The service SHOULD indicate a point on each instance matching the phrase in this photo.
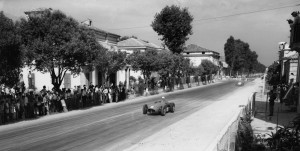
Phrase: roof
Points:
(192, 48)
(103, 31)
(132, 42)
(42, 9)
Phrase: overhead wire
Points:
(217, 17)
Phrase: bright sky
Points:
(261, 29)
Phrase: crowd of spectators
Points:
(31, 104)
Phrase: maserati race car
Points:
(159, 107)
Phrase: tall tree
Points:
(56, 44)
(174, 25)
(109, 62)
(239, 56)
(10, 53)
(229, 51)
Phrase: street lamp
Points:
(282, 45)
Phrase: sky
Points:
(260, 23)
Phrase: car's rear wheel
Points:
(145, 108)
(172, 108)
(163, 111)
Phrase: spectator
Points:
(105, 95)
(84, 96)
(272, 99)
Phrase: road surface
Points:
(109, 127)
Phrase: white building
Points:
(197, 54)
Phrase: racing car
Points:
(159, 107)
(240, 83)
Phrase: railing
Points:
(226, 141)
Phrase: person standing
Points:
(26, 106)
(84, 97)
(272, 99)
(105, 95)
(29, 80)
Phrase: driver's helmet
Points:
(163, 98)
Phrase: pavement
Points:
(195, 132)
(263, 124)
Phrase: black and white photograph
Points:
(149, 75)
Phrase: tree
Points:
(259, 68)
(209, 68)
(273, 75)
(11, 55)
(109, 62)
(147, 62)
(199, 70)
(240, 57)
(56, 44)
(174, 25)
(172, 66)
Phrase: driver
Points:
(163, 99)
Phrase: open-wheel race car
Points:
(159, 107)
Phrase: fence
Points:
(226, 141)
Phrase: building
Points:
(224, 68)
(290, 68)
(131, 45)
(107, 40)
(37, 12)
(197, 54)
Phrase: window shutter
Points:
(67, 81)
(33, 80)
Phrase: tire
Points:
(163, 111)
(145, 109)
(172, 108)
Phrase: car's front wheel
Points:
(172, 108)
(163, 111)
(145, 108)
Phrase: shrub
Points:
(245, 133)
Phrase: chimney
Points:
(90, 22)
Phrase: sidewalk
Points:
(199, 130)
(263, 124)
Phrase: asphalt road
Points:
(111, 127)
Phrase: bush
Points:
(141, 86)
(245, 133)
